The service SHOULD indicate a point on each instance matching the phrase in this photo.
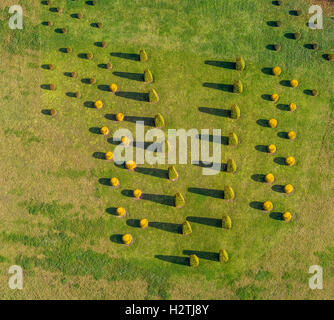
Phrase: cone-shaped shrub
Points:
(297, 35)
(74, 75)
(330, 57)
(63, 30)
(194, 261)
(235, 112)
(92, 81)
(53, 112)
(52, 87)
(238, 87)
(109, 66)
(294, 83)
(51, 67)
(78, 94)
(89, 56)
(148, 76)
(153, 96)
(290, 161)
(228, 193)
(269, 178)
(277, 71)
(121, 212)
(104, 44)
(159, 121)
(179, 200)
(314, 46)
(231, 166)
(137, 193)
(79, 15)
(240, 64)
(109, 155)
(233, 139)
(99, 25)
(186, 228)
(143, 56)
(277, 47)
(69, 50)
(50, 24)
(315, 92)
(172, 173)
(226, 222)
(223, 256)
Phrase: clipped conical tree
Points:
(233, 139)
(153, 96)
(179, 200)
(226, 222)
(223, 256)
(148, 76)
(159, 121)
(235, 112)
(231, 166)
(186, 228)
(143, 55)
(228, 193)
(240, 64)
(238, 86)
(172, 173)
(194, 261)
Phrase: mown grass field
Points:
(56, 216)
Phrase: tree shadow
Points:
(104, 87)
(53, 9)
(266, 97)
(262, 148)
(46, 112)
(258, 177)
(184, 261)
(71, 94)
(159, 198)
(63, 50)
(256, 205)
(263, 123)
(147, 120)
(212, 256)
(59, 30)
(309, 46)
(82, 56)
(130, 76)
(270, 47)
(45, 87)
(210, 138)
(89, 104)
(128, 56)
(219, 86)
(283, 107)
(283, 135)
(112, 211)
(276, 3)
(90, 3)
(154, 172)
(278, 188)
(218, 194)
(276, 216)
(105, 182)
(289, 35)
(95, 130)
(86, 81)
(280, 161)
(45, 66)
(293, 13)
(211, 222)
(166, 226)
(137, 96)
(273, 24)
(94, 25)
(221, 64)
(98, 44)
(267, 71)
(216, 112)
(99, 155)
(285, 83)
(117, 238)
(308, 92)
(202, 164)
(102, 66)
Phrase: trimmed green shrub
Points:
(315, 92)
(277, 47)
(59, 10)
(74, 75)
(314, 46)
(52, 87)
(109, 66)
(99, 25)
(278, 23)
(159, 121)
(143, 56)
(299, 12)
(148, 76)
(186, 228)
(226, 222)
(89, 56)
(330, 57)
(240, 64)
(233, 139)
(297, 35)
(104, 44)
(50, 24)
(51, 67)
(172, 173)
(194, 261)
(238, 87)
(179, 200)
(153, 96)
(231, 166)
(78, 94)
(228, 193)
(79, 15)
(69, 50)
(92, 81)
(223, 256)
(53, 112)
(235, 112)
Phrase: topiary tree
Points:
(69, 50)
(240, 64)
(109, 66)
(159, 121)
(186, 228)
(315, 92)
(226, 222)
(99, 25)
(277, 47)
(194, 261)
(330, 57)
(238, 87)
(104, 44)
(172, 173)
(89, 56)
(78, 94)
(143, 55)
(92, 81)
(153, 96)
(231, 166)
(179, 200)
(148, 76)
(223, 256)
(53, 112)
(235, 112)
(297, 35)
(233, 139)
(51, 67)
(74, 75)
(52, 87)
(228, 193)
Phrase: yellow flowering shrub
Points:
(277, 71)
(272, 148)
(137, 193)
(98, 104)
(131, 165)
(292, 135)
(109, 155)
(274, 97)
(114, 182)
(272, 123)
(287, 216)
(119, 116)
(292, 107)
(223, 256)
(125, 140)
(121, 212)
(143, 223)
(269, 178)
(113, 87)
(268, 206)
(290, 161)
(294, 83)
(127, 239)
(104, 130)
(288, 188)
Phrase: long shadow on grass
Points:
(154, 172)
(267, 71)
(263, 123)
(105, 182)
(256, 205)
(212, 165)
(211, 222)
(128, 56)
(218, 194)
(280, 161)
(104, 87)
(117, 238)
(221, 64)
(223, 139)
(266, 97)
(99, 155)
(184, 261)
(278, 188)
(112, 211)
(219, 86)
(276, 216)
(283, 135)
(262, 148)
(216, 112)
(133, 119)
(212, 256)
(130, 76)
(285, 83)
(157, 198)
(258, 177)
(164, 226)
(283, 107)
(137, 96)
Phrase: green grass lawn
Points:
(57, 217)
